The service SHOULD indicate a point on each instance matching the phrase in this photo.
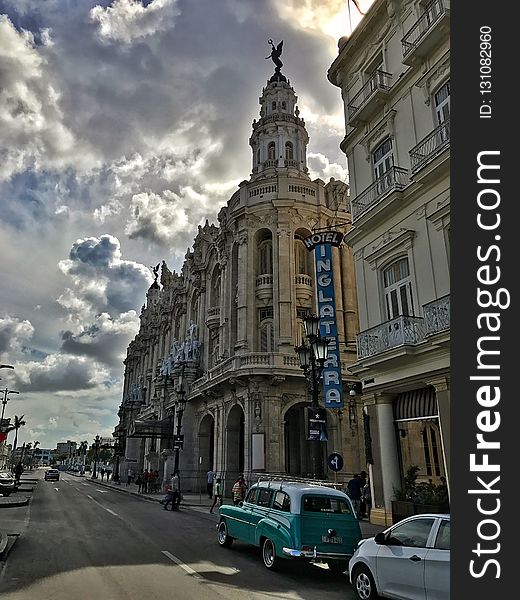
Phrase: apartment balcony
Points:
(437, 315)
(402, 331)
(289, 162)
(303, 285)
(431, 150)
(390, 184)
(213, 317)
(369, 98)
(264, 287)
(432, 27)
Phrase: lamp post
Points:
(180, 405)
(96, 448)
(4, 434)
(312, 355)
(5, 400)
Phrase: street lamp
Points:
(180, 406)
(96, 448)
(6, 367)
(312, 355)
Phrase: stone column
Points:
(241, 344)
(391, 476)
(285, 284)
(338, 293)
(350, 307)
(442, 391)
(169, 460)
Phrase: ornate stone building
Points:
(224, 329)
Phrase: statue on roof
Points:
(275, 54)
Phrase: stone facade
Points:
(393, 72)
(224, 328)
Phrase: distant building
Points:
(394, 76)
(5, 453)
(42, 456)
(65, 451)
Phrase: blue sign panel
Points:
(335, 461)
(332, 383)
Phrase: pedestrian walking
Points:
(18, 470)
(238, 491)
(156, 481)
(209, 485)
(144, 484)
(102, 471)
(139, 482)
(129, 476)
(362, 503)
(354, 493)
(217, 494)
(172, 493)
(367, 498)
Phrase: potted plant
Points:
(418, 498)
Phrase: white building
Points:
(394, 76)
(224, 329)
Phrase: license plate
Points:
(331, 540)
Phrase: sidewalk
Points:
(202, 503)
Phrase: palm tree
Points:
(18, 422)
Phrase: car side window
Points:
(282, 502)
(413, 534)
(442, 542)
(321, 504)
(264, 497)
(251, 496)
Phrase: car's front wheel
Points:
(364, 584)
(338, 566)
(271, 561)
(223, 536)
(6, 493)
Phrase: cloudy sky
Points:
(123, 125)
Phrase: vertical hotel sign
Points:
(322, 244)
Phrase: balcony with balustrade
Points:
(370, 98)
(390, 185)
(430, 29)
(437, 315)
(399, 332)
(431, 152)
(264, 287)
(213, 317)
(303, 284)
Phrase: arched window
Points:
(289, 151)
(398, 289)
(271, 151)
(273, 105)
(301, 258)
(265, 257)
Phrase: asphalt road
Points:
(80, 541)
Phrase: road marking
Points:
(85, 484)
(102, 491)
(90, 497)
(182, 565)
(57, 489)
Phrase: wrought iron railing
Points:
(402, 331)
(432, 13)
(432, 145)
(437, 315)
(395, 179)
(380, 80)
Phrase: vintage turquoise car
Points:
(293, 520)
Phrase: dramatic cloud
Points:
(103, 282)
(14, 335)
(320, 166)
(129, 20)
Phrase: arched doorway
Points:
(206, 457)
(235, 434)
(303, 458)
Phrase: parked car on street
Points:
(7, 483)
(293, 520)
(52, 475)
(410, 561)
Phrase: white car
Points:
(408, 561)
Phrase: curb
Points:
(3, 542)
(14, 504)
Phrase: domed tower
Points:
(279, 139)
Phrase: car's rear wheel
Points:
(338, 566)
(271, 561)
(364, 584)
(6, 493)
(223, 536)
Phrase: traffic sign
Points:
(335, 462)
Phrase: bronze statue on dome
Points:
(275, 54)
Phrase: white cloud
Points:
(128, 20)
(14, 335)
(320, 166)
(31, 121)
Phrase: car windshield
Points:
(325, 504)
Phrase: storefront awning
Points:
(151, 428)
(416, 404)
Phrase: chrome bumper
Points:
(313, 554)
